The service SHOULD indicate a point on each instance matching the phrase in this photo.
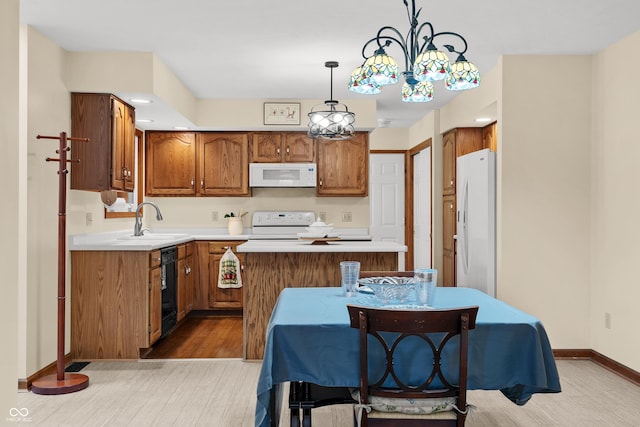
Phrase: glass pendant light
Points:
(463, 75)
(431, 65)
(419, 92)
(358, 83)
(335, 121)
(380, 68)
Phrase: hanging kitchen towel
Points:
(229, 275)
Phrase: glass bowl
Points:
(389, 289)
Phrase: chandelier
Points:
(335, 121)
(424, 62)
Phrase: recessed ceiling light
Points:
(483, 119)
(181, 128)
(141, 101)
(144, 121)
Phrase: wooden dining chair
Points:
(367, 274)
(440, 399)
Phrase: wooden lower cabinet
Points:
(223, 298)
(155, 304)
(116, 303)
(186, 279)
(270, 272)
(209, 295)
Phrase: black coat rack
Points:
(63, 382)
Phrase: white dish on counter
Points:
(316, 235)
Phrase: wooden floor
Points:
(200, 337)
(222, 393)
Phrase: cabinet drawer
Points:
(154, 259)
(221, 246)
(185, 250)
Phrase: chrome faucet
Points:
(137, 228)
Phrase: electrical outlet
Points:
(323, 216)
(214, 216)
(346, 216)
(89, 218)
(607, 320)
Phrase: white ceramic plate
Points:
(329, 235)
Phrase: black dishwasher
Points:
(168, 258)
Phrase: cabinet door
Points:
(468, 140)
(171, 163)
(298, 148)
(118, 169)
(223, 164)
(449, 163)
(155, 305)
(91, 118)
(490, 136)
(266, 147)
(223, 298)
(182, 286)
(185, 285)
(343, 166)
(448, 242)
(129, 148)
(189, 282)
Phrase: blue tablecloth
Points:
(309, 339)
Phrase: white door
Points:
(386, 198)
(422, 209)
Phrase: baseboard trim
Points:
(602, 360)
(51, 368)
(592, 355)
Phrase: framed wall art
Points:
(281, 113)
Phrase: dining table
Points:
(309, 339)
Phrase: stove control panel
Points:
(283, 218)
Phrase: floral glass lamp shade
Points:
(464, 75)
(381, 69)
(359, 83)
(431, 66)
(419, 92)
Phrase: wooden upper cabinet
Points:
(276, 147)
(490, 136)
(343, 166)
(468, 140)
(197, 164)
(449, 163)
(223, 164)
(266, 147)
(107, 161)
(170, 163)
(299, 148)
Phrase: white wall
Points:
(47, 114)
(615, 202)
(12, 162)
(543, 211)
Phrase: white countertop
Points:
(159, 238)
(306, 246)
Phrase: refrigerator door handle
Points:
(464, 231)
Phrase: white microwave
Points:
(282, 174)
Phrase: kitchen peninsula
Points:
(271, 266)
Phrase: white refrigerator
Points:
(476, 221)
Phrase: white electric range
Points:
(285, 225)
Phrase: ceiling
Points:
(277, 49)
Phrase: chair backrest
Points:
(365, 274)
(436, 328)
